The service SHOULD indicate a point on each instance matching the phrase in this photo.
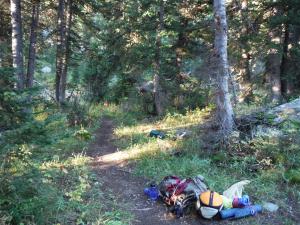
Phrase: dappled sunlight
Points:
(137, 151)
(134, 141)
(77, 160)
(130, 130)
(169, 122)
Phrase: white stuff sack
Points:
(236, 190)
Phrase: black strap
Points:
(211, 198)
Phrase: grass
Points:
(49, 179)
(264, 161)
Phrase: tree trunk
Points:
(63, 80)
(61, 46)
(245, 60)
(224, 107)
(179, 49)
(274, 57)
(17, 42)
(292, 64)
(273, 74)
(156, 80)
(32, 43)
(273, 64)
(5, 36)
(285, 82)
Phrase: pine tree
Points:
(32, 43)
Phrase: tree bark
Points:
(17, 42)
(224, 107)
(273, 74)
(61, 46)
(274, 58)
(156, 80)
(245, 61)
(63, 81)
(5, 36)
(32, 43)
(179, 48)
(285, 82)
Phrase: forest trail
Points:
(126, 188)
(114, 172)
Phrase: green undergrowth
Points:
(45, 173)
(271, 164)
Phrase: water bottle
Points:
(241, 202)
(152, 192)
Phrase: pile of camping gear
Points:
(184, 195)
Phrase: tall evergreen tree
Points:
(32, 42)
(156, 80)
(17, 42)
(66, 55)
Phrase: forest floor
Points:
(126, 188)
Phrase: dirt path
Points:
(128, 189)
(118, 179)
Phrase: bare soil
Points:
(127, 189)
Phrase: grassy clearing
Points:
(264, 161)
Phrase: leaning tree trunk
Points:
(61, 46)
(32, 43)
(224, 107)
(17, 42)
(156, 80)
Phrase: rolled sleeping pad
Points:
(240, 212)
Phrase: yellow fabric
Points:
(216, 202)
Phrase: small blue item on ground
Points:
(237, 213)
(157, 134)
(152, 192)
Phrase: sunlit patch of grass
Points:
(191, 117)
(138, 151)
(78, 160)
(169, 122)
(135, 143)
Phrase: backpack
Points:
(181, 195)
